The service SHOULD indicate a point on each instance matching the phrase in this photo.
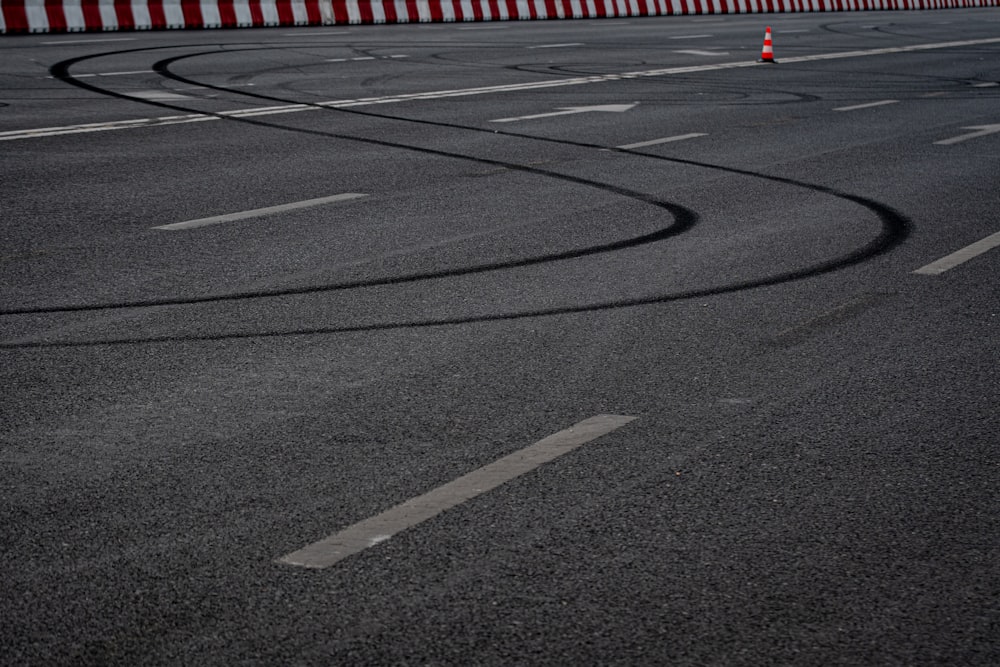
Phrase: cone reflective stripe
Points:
(767, 55)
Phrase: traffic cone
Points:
(767, 55)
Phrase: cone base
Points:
(767, 60)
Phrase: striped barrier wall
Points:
(24, 16)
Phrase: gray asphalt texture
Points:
(812, 475)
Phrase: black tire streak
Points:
(895, 229)
(684, 218)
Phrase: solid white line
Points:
(665, 140)
(11, 135)
(986, 84)
(867, 106)
(260, 212)
(383, 526)
(554, 46)
(91, 41)
(960, 256)
(689, 37)
(103, 127)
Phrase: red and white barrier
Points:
(21, 16)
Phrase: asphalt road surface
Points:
(579, 342)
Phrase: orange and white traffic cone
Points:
(767, 55)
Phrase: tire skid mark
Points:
(895, 228)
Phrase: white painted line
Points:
(698, 52)
(161, 95)
(12, 135)
(566, 111)
(346, 60)
(986, 84)
(981, 131)
(960, 256)
(138, 71)
(869, 105)
(689, 37)
(103, 127)
(381, 527)
(555, 46)
(260, 212)
(91, 41)
(87, 76)
(665, 140)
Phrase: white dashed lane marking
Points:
(867, 105)
(158, 95)
(664, 140)
(260, 212)
(358, 58)
(382, 527)
(87, 76)
(700, 52)
(980, 131)
(960, 256)
(555, 46)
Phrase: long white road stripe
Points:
(12, 135)
(960, 256)
(664, 140)
(260, 212)
(381, 527)
(868, 105)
